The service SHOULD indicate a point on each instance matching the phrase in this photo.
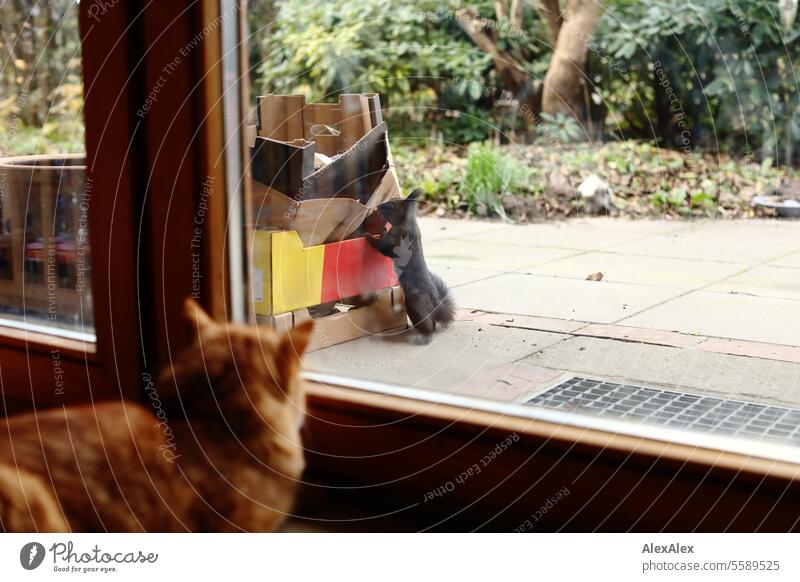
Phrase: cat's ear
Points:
(293, 346)
(196, 316)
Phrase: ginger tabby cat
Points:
(226, 457)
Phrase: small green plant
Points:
(703, 201)
(490, 175)
(674, 199)
(684, 202)
(560, 128)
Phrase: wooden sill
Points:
(44, 343)
(41, 370)
(392, 452)
(364, 402)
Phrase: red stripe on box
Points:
(352, 267)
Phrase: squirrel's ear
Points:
(416, 195)
(409, 205)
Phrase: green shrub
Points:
(433, 80)
(490, 174)
(727, 80)
(410, 51)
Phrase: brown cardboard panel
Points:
(280, 117)
(335, 127)
(282, 165)
(349, 119)
(375, 111)
(377, 317)
(389, 186)
(282, 322)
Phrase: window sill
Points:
(395, 451)
(70, 344)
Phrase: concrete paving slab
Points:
(759, 319)
(589, 301)
(752, 242)
(665, 272)
(493, 257)
(764, 281)
(641, 335)
(581, 234)
(455, 276)
(792, 261)
(455, 358)
(441, 228)
(695, 371)
(639, 324)
(781, 232)
(528, 322)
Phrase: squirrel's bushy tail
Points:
(445, 310)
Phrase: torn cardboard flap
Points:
(289, 167)
(319, 220)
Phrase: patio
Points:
(707, 306)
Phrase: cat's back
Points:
(105, 461)
(57, 432)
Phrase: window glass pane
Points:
(612, 212)
(44, 195)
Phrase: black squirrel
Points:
(428, 300)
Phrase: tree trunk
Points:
(517, 14)
(562, 83)
(500, 9)
(44, 57)
(507, 67)
(513, 76)
(25, 46)
(550, 12)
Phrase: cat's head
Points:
(245, 376)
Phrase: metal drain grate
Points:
(673, 409)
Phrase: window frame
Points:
(141, 270)
(145, 271)
(108, 366)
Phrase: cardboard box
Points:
(321, 202)
(288, 276)
(386, 313)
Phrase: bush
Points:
(432, 79)
(727, 78)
